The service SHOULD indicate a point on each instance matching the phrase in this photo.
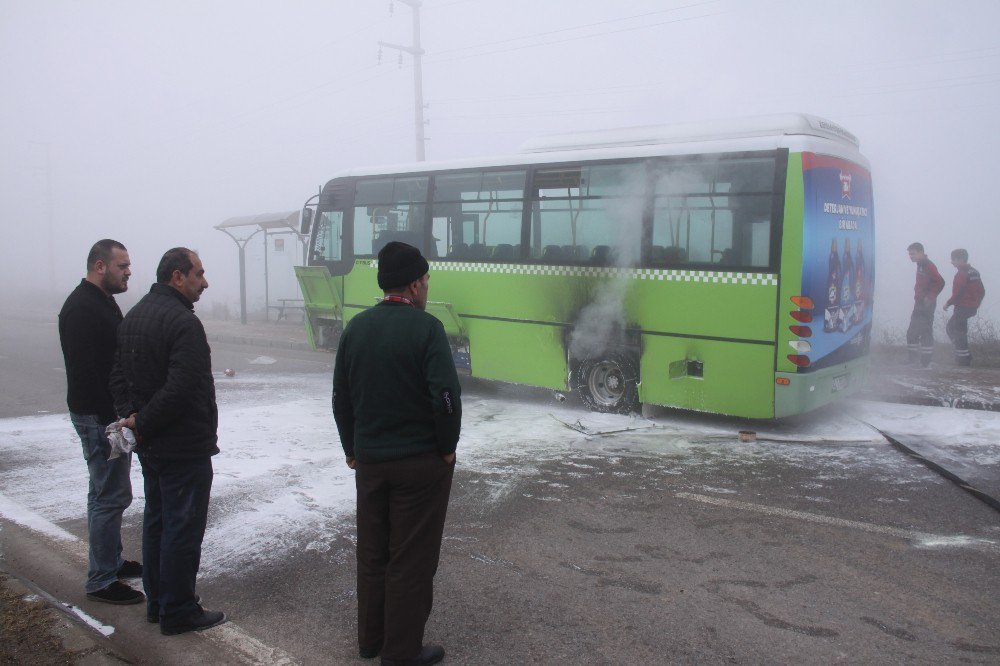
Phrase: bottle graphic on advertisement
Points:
(846, 288)
(831, 315)
(859, 285)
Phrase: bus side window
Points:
(484, 211)
(440, 237)
(387, 209)
(715, 210)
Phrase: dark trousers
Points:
(173, 526)
(401, 511)
(920, 334)
(958, 331)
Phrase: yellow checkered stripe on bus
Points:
(670, 275)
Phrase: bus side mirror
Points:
(307, 218)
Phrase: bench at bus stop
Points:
(288, 305)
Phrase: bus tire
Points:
(608, 383)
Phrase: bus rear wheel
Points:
(608, 383)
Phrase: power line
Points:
(573, 39)
(571, 28)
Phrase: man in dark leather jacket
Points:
(162, 382)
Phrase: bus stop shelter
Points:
(243, 229)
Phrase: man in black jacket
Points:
(162, 380)
(88, 332)
(396, 401)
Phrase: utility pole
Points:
(418, 86)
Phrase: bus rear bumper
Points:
(798, 393)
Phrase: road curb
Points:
(81, 644)
(266, 343)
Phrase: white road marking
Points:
(105, 629)
(923, 539)
(252, 651)
(248, 649)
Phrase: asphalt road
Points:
(787, 552)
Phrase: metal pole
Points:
(243, 282)
(267, 294)
(418, 86)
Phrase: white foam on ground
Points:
(281, 484)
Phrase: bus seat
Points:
(459, 251)
(478, 251)
(675, 254)
(727, 257)
(503, 252)
(601, 255)
(551, 253)
(408, 237)
(658, 254)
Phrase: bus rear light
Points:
(801, 331)
(802, 315)
(783, 381)
(799, 360)
(800, 346)
(803, 302)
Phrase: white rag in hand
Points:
(122, 439)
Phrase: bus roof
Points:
(757, 126)
(749, 134)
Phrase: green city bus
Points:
(724, 267)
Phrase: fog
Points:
(152, 122)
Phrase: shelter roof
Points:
(283, 220)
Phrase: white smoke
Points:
(602, 322)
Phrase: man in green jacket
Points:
(396, 401)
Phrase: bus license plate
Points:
(840, 382)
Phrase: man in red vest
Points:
(967, 293)
(920, 335)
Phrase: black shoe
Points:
(370, 653)
(118, 593)
(430, 654)
(155, 619)
(202, 619)
(130, 569)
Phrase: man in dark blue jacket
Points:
(88, 333)
(396, 401)
(162, 381)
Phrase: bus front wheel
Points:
(608, 383)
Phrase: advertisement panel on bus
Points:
(838, 267)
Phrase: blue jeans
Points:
(109, 494)
(173, 526)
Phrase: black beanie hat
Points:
(399, 264)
